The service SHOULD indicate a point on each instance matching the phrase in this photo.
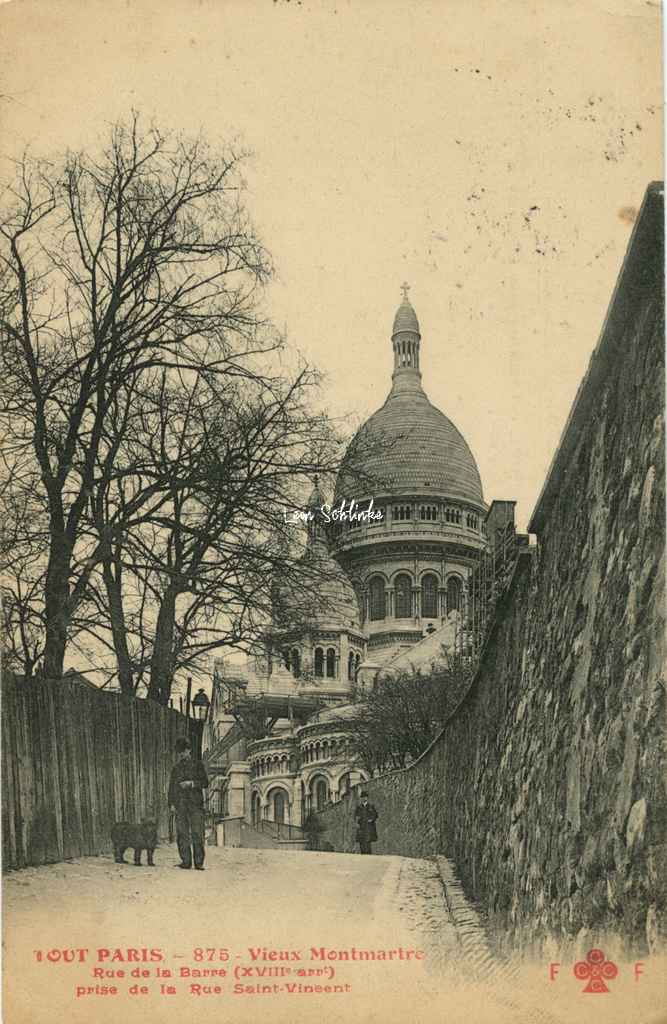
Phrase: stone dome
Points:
(335, 606)
(326, 598)
(408, 446)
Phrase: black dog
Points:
(139, 837)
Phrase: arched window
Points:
(376, 598)
(286, 659)
(256, 808)
(319, 662)
(429, 596)
(321, 793)
(279, 806)
(350, 666)
(403, 596)
(296, 662)
(453, 594)
(357, 663)
(331, 663)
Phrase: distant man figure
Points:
(186, 801)
(366, 816)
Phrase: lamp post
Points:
(196, 716)
(200, 705)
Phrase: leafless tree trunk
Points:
(112, 571)
(163, 645)
(112, 267)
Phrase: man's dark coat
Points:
(366, 817)
(189, 804)
(187, 770)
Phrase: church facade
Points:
(394, 591)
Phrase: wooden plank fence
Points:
(74, 761)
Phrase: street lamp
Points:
(200, 705)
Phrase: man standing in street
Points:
(186, 801)
(366, 816)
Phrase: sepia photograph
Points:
(332, 511)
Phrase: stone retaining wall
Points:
(547, 786)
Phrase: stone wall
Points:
(547, 785)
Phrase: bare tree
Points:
(22, 609)
(23, 538)
(147, 414)
(203, 476)
(402, 715)
(112, 268)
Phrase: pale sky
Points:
(489, 153)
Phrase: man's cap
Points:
(363, 794)
(182, 744)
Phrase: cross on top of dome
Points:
(406, 318)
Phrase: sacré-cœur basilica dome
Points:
(411, 569)
(408, 446)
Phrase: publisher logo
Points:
(596, 970)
